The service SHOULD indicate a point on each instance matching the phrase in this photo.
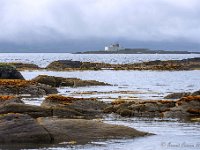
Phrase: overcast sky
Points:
(44, 21)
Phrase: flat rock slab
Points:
(83, 131)
(59, 81)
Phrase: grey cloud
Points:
(26, 21)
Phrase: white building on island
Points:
(114, 47)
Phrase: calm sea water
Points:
(43, 59)
(170, 134)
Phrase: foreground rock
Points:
(25, 87)
(83, 131)
(9, 72)
(19, 128)
(187, 107)
(17, 123)
(59, 81)
(185, 64)
(69, 107)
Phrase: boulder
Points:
(196, 93)
(70, 107)
(182, 94)
(64, 64)
(186, 107)
(83, 131)
(21, 128)
(9, 72)
(140, 108)
(25, 87)
(25, 66)
(59, 81)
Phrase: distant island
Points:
(117, 49)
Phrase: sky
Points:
(77, 25)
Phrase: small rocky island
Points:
(117, 49)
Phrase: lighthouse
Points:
(114, 47)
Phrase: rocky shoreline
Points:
(78, 120)
(185, 64)
(58, 119)
(71, 82)
(68, 65)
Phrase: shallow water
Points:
(139, 84)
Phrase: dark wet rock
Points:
(70, 107)
(59, 81)
(185, 64)
(196, 93)
(21, 128)
(83, 131)
(9, 72)
(33, 111)
(25, 87)
(25, 66)
(182, 94)
(186, 107)
(64, 64)
(140, 108)
(177, 95)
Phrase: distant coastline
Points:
(137, 51)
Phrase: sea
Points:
(170, 134)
